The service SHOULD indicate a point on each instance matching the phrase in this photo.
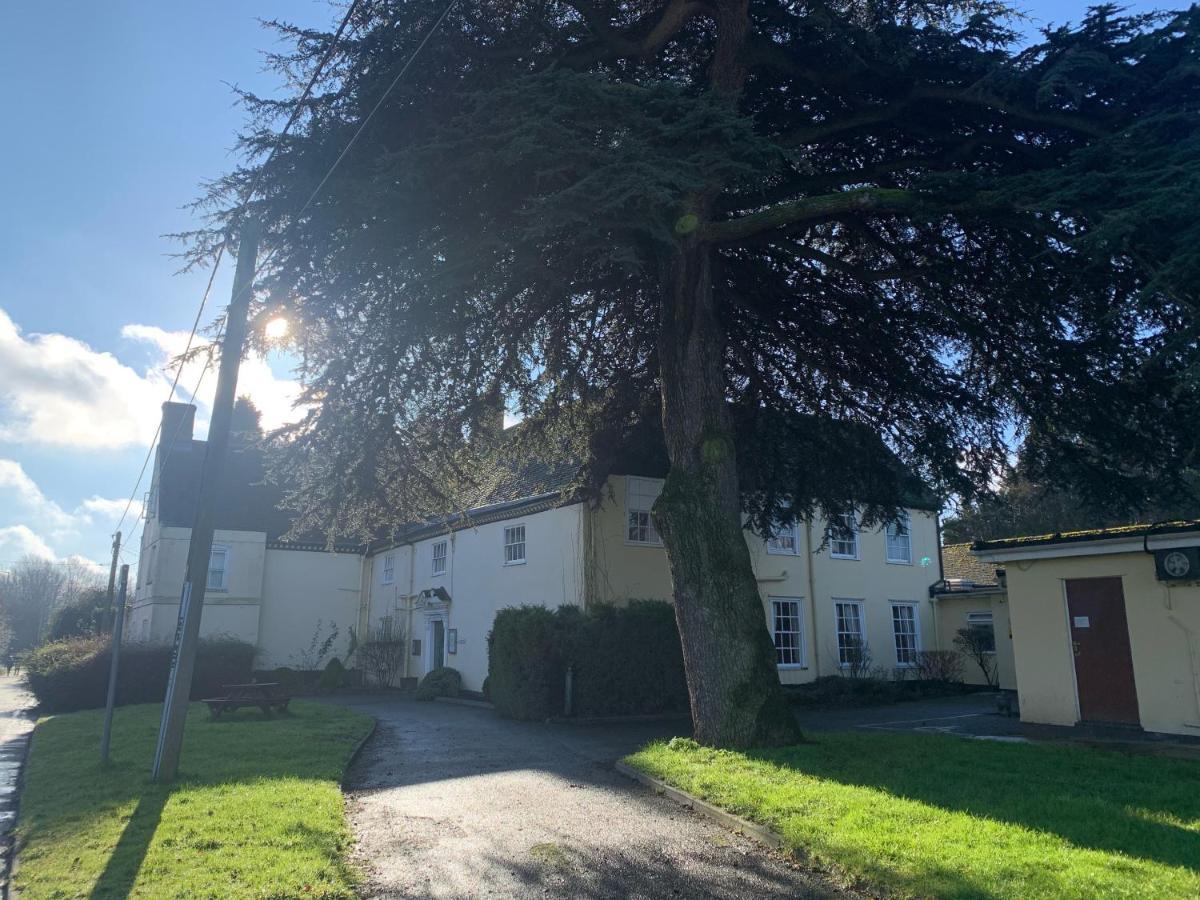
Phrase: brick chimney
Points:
(178, 421)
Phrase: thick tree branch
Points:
(946, 93)
(620, 43)
(808, 209)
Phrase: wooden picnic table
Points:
(266, 695)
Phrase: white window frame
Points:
(636, 491)
(800, 649)
(852, 520)
(861, 605)
(916, 633)
(905, 523)
(435, 558)
(511, 541)
(223, 587)
(776, 548)
(389, 569)
(977, 618)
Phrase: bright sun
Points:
(276, 328)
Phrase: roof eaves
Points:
(1091, 534)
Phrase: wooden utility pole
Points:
(112, 576)
(114, 662)
(191, 605)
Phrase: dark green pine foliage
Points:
(748, 220)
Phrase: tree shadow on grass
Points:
(1143, 807)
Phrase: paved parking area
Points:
(452, 801)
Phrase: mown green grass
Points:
(256, 810)
(939, 816)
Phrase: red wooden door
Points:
(1100, 640)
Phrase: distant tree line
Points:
(43, 599)
(1029, 501)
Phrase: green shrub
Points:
(838, 692)
(83, 617)
(284, 676)
(626, 660)
(441, 682)
(73, 674)
(525, 666)
(333, 676)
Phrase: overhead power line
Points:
(251, 190)
(254, 185)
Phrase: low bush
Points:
(838, 692)
(441, 682)
(333, 676)
(939, 665)
(626, 660)
(73, 674)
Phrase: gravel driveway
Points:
(452, 801)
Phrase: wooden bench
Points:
(266, 695)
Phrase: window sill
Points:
(387, 582)
(899, 562)
(515, 562)
(771, 552)
(436, 574)
(842, 556)
(791, 666)
(648, 544)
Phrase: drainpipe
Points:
(812, 594)
(365, 592)
(412, 562)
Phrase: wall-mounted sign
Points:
(1083, 622)
(452, 640)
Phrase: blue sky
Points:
(115, 112)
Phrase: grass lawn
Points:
(256, 810)
(940, 816)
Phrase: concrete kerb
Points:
(357, 751)
(760, 833)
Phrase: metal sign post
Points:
(114, 663)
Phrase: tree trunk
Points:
(729, 658)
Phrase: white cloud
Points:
(273, 396)
(108, 508)
(56, 390)
(31, 519)
(19, 540)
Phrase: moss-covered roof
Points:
(1090, 534)
(959, 563)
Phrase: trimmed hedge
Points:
(525, 667)
(626, 659)
(73, 674)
